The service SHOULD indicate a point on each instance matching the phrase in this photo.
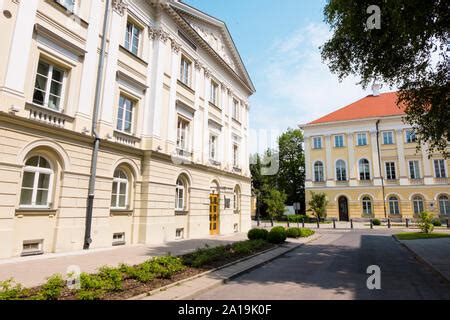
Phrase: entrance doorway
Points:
(343, 209)
(214, 214)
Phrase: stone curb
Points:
(226, 279)
(422, 260)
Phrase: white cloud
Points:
(297, 87)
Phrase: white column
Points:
(17, 68)
(403, 175)
(87, 87)
(427, 173)
(176, 60)
(205, 150)
(375, 162)
(109, 90)
(329, 162)
(198, 138)
(229, 147)
(352, 173)
(308, 174)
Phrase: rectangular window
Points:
(183, 135)
(388, 137)
(125, 115)
(339, 141)
(361, 139)
(32, 247)
(68, 4)
(179, 234)
(48, 88)
(132, 38)
(317, 142)
(236, 163)
(390, 171)
(439, 168)
(414, 170)
(185, 71)
(118, 239)
(410, 136)
(235, 109)
(214, 94)
(213, 147)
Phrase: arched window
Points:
(367, 205)
(119, 198)
(418, 204)
(364, 169)
(36, 183)
(181, 195)
(318, 172)
(341, 171)
(394, 207)
(444, 205)
(237, 199)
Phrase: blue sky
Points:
(279, 42)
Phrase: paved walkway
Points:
(435, 252)
(32, 271)
(189, 289)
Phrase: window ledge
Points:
(181, 83)
(181, 212)
(133, 56)
(121, 212)
(214, 162)
(32, 253)
(212, 104)
(237, 121)
(21, 212)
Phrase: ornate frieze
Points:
(119, 6)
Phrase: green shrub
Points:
(166, 267)
(277, 235)
(257, 234)
(305, 232)
(93, 286)
(425, 222)
(376, 222)
(10, 290)
(293, 232)
(298, 218)
(52, 289)
(437, 223)
(205, 256)
(246, 247)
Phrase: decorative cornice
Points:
(119, 6)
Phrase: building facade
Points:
(367, 162)
(173, 124)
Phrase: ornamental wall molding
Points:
(119, 6)
(176, 47)
(158, 33)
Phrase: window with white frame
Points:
(183, 134)
(213, 141)
(341, 171)
(118, 239)
(125, 115)
(68, 4)
(236, 160)
(317, 142)
(180, 195)
(119, 196)
(444, 205)
(361, 139)
(32, 247)
(410, 136)
(214, 94)
(36, 183)
(132, 38)
(185, 71)
(367, 205)
(49, 86)
(414, 169)
(235, 109)
(319, 171)
(418, 204)
(394, 207)
(364, 169)
(439, 168)
(339, 141)
(390, 171)
(388, 137)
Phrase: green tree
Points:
(425, 222)
(275, 201)
(399, 54)
(291, 173)
(318, 205)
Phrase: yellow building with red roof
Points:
(364, 157)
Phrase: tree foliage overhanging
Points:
(399, 54)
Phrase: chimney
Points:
(376, 89)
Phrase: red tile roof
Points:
(369, 107)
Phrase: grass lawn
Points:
(421, 235)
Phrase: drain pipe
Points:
(380, 167)
(96, 146)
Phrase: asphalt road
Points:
(335, 267)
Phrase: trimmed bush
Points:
(298, 218)
(293, 232)
(257, 234)
(277, 235)
(376, 222)
(305, 232)
(52, 289)
(437, 223)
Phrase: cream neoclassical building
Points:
(173, 124)
(364, 179)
